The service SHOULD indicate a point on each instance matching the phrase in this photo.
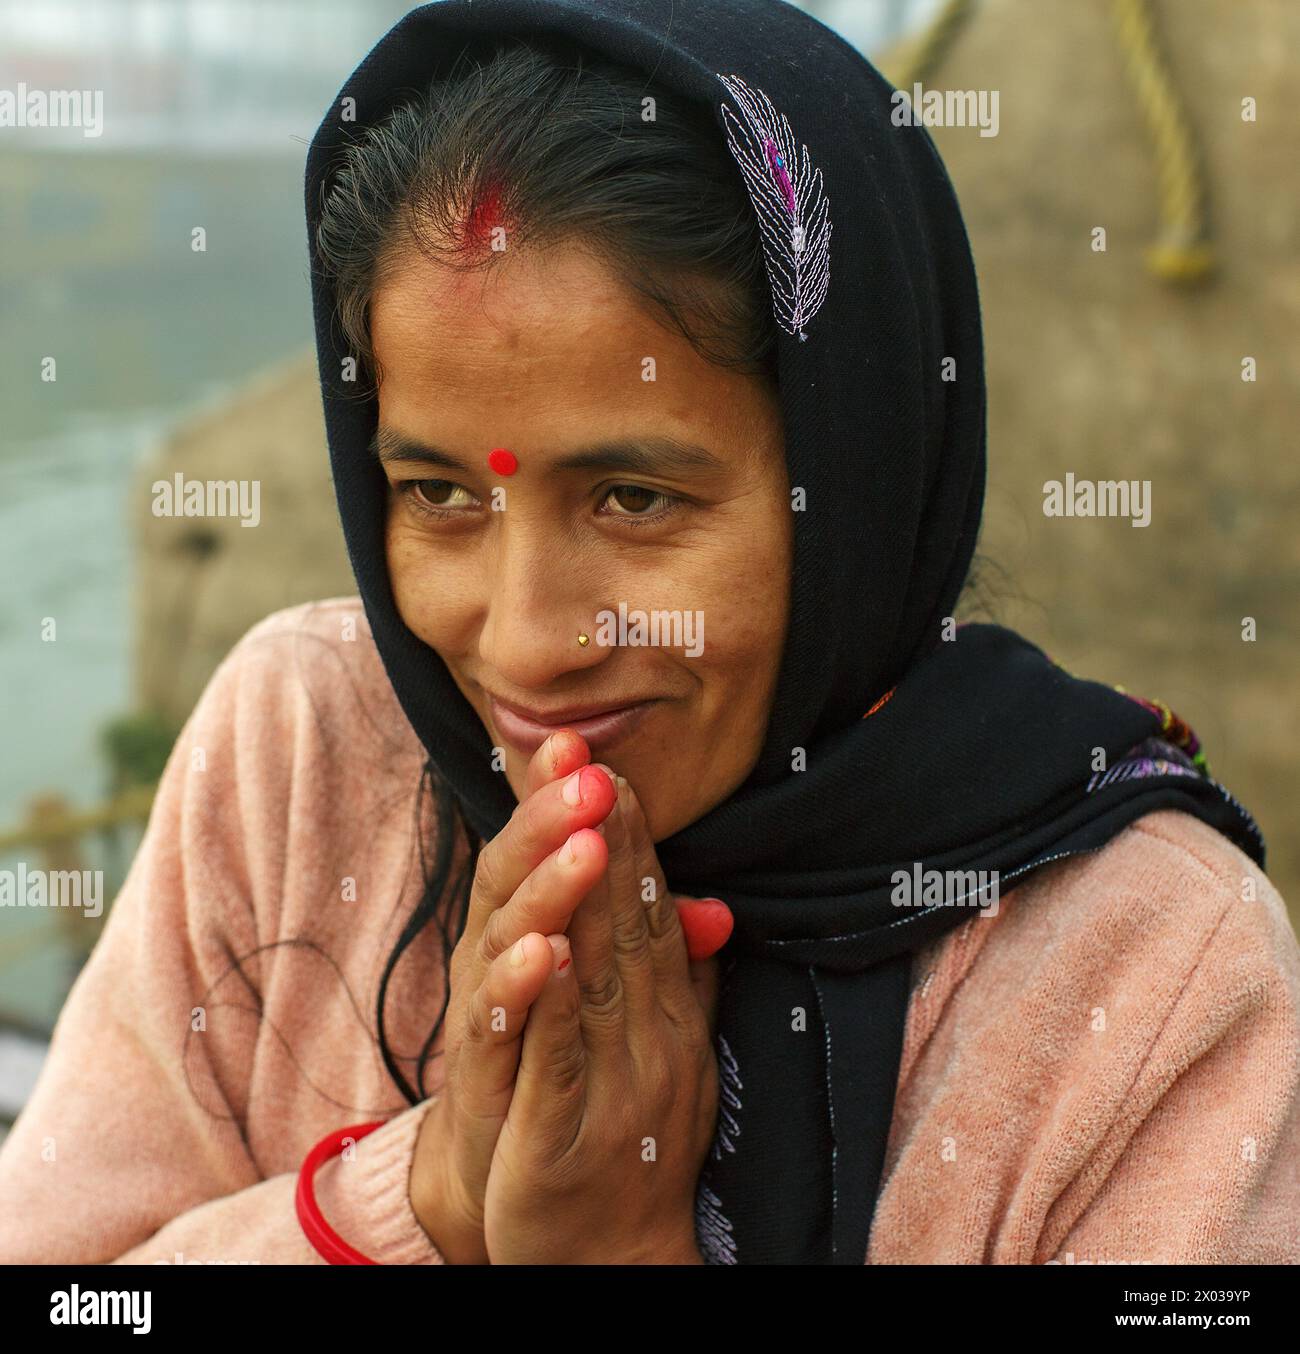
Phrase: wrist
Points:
(679, 1249)
(434, 1197)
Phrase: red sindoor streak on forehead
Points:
(484, 214)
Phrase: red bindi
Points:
(502, 461)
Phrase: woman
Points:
(651, 363)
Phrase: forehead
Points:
(540, 340)
(529, 310)
(550, 350)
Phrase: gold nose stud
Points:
(584, 640)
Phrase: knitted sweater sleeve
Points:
(135, 1146)
(1107, 1071)
(1202, 1163)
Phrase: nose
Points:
(540, 599)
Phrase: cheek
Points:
(740, 582)
(735, 577)
(745, 589)
(433, 589)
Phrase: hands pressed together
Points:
(581, 1088)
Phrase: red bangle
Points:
(321, 1235)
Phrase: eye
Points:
(437, 497)
(635, 501)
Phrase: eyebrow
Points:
(650, 454)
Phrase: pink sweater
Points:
(1108, 1070)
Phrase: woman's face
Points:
(650, 483)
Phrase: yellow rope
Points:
(1182, 253)
(934, 44)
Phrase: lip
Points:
(600, 728)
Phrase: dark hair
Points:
(552, 141)
(552, 144)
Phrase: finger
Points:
(550, 1089)
(665, 940)
(629, 931)
(563, 753)
(706, 974)
(538, 826)
(488, 1058)
(708, 923)
(595, 968)
(547, 899)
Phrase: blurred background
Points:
(1171, 126)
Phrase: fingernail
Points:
(517, 957)
(707, 924)
(560, 949)
(569, 855)
(572, 791)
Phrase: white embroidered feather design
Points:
(787, 193)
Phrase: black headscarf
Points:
(984, 757)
